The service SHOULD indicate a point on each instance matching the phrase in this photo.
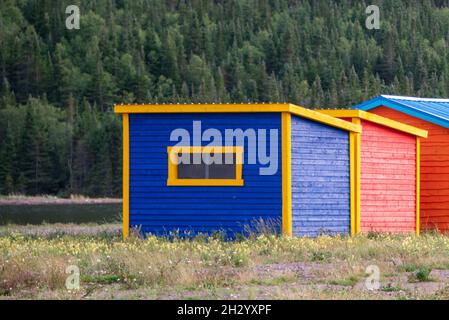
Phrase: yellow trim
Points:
(418, 186)
(239, 108)
(376, 119)
(125, 209)
(352, 169)
(173, 166)
(342, 113)
(357, 160)
(318, 116)
(200, 108)
(286, 175)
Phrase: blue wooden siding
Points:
(158, 209)
(320, 179)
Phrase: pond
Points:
(60, 213)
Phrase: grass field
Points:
(34, 261)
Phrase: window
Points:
(205, 166)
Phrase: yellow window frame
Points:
(173, 166)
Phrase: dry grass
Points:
(48, 231)
(17, 199)
(33, 265)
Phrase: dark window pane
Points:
(213, 171)
(191, 171)
(224, 170)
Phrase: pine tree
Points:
(27, 155)
(7, 97)
(7, 156)
(33, 157)
(317, 94)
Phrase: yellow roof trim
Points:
(329, 120)
(352, 113)
(238, 108)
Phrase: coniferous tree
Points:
(7, 157)
(308, 52)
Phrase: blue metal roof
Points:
(432, 110)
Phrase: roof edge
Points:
(402, 107)
(201, 108)
(238, 108)
(414, 98)
(352, 113)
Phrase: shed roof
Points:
(239, 108)
(432, 110)
(353, 113)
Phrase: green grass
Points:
(391, 288)
(422, 274)
(106, 279)
(348, 282)
(321, 256)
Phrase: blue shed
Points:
(236, 168)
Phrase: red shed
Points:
(433, 115)
(387, 161)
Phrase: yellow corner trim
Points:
(173, 167)
(238, 108)
(418, 186)
(286, 175)
(349, 113)
(352, 161)
(125, 210)
(357, 173)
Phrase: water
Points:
(60, 213)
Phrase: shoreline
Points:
(52, 200)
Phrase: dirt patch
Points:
(440, 275)
(302, 270)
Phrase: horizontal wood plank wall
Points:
(159, 209)
(320, 179)
(434, 170)
(387, 179)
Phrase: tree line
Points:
(57, 86)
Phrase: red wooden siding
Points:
(387, 179)
(434, 169)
